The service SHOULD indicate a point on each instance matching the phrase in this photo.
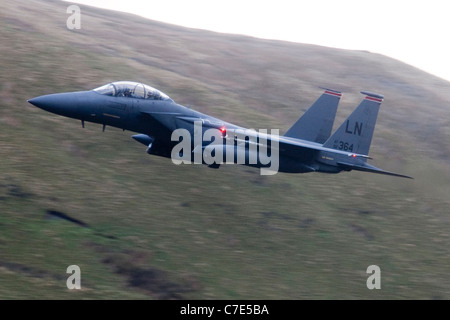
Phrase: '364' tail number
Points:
(341, 145)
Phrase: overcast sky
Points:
(413, 31)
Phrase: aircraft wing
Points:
(167, 119)
(296, 147)
(175, 120)
(287, 146)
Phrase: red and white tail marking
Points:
(379, 100)
(337, 94)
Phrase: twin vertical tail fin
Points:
(317, 122)
(355, 134)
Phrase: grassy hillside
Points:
(153, 230)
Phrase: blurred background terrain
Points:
(140, 227)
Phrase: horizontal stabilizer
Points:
(369, 168)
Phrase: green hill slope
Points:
(153, 230)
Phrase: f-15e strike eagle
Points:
(173, 131)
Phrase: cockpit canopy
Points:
(132, 90)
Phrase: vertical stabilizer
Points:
(355, 134)
(317, 122)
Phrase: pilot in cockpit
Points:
(150, 95)
(127, 92)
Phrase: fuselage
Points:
(163, 126)
(155, 119)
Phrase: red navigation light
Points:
(223, 130)
(354, 155)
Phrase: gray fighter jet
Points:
(186, 136)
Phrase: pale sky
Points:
(415, 32)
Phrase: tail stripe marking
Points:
(337, 94)
(374, 99)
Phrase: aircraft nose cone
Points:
(65, 104)
(52, 102)
(39, 102)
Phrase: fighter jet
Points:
(174, 131)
